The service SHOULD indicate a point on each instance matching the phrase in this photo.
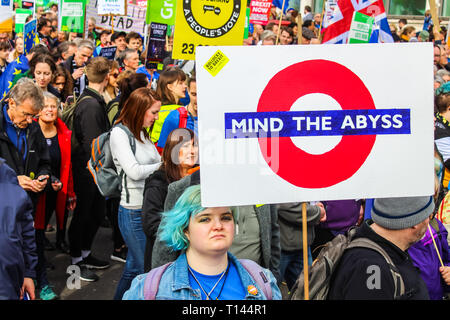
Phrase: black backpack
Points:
(68, 116)
(320, 273)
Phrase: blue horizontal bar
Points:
(317, 123)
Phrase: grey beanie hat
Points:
(401, 213)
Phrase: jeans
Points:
(130, 224)
(291, 265)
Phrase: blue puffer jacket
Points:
(18, 256)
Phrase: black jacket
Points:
(90, 121)
(155, 193)
(68, 64)
(354, 279)
(37, 161)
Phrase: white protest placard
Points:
(112, 7)
(316, 123)
(133, 21)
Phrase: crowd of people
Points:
(63, 94)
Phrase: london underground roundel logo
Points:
(296, 166)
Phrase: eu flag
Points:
(30, 36)
(15, 68)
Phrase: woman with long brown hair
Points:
(135, 158)
(180, 154)
(171, 88)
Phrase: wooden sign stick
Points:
(434, 15)
(435, 246)
(305, 250)
(279, 24)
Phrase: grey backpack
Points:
(102, 168)
(323, 267)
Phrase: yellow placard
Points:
(216, 63)
(207, 23)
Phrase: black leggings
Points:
(88, 214)
(41, 272)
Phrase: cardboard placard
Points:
(108, 52)
(112, 7)
(260, 11)
(294, 137)
(360, 28)
(203, 24)
(156, 43)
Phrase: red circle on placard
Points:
(291, 163)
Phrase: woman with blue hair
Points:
(205, 270)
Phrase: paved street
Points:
(103, 289)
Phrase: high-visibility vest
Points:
(162, 115)
(446, 178)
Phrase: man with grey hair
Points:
(268, 37)
(129, 59)
(67, 49)
(22, 143)
(76, 65)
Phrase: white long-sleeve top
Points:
(137, 167)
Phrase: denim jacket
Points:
(174, 283)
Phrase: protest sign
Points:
(161, 11)
(29, 35)
(21, 16)
(294, 137)
(112, 7)
(29, 4)
(199, 24)
(260, 11)
(72, 17)
(108, 52)
(6, 15)
(360, 28)
(156, 43)
(133, 21)
(247, 23)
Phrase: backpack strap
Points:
(152, 280)
(399, 285)
(132, 142)
(258, 275)
(183, 117)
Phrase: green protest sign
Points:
(21, 15)
(361, 28)
(72, 15)
(247, 18)
(161, 11)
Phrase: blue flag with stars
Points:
(30, 35)
(16, 67)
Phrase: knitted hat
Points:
(424, 35)
(401, 213)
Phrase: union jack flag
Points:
(338, 18)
